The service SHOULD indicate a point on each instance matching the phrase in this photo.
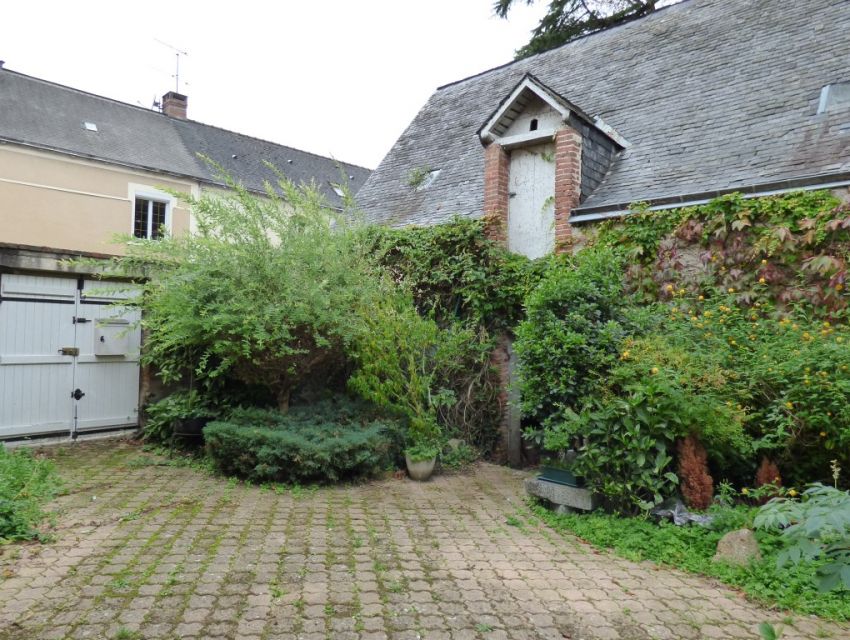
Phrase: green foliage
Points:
(268, 291)
(567, 20)
(784, 373)
(459, 456)
(456, 273)
(816, 526)
(572, 332)
(179, 405)
(420, 451)
(692, 548)
(323, 442)
(26, 483)
(781, 249)
(403, 361)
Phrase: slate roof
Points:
(712, 96)
(51, 116)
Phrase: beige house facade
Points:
(78, 172)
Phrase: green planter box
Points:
(560, 476)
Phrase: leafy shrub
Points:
(818, 525)
(401, 363)
(267, 291)
(26, 483)
(572, 333)
(784, 373)
(324, 442)
(179, 405)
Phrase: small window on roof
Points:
(428, 180)
(90, 126)
(834, 97)
(338, 191)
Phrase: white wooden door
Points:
(107, 369)
(531, 209)
(50, 346)
(36, 380)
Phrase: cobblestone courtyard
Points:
(146, 550)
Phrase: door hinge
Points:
(70, 351)
(80, 320)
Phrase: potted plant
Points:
(420, 458)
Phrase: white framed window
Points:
(151, 212)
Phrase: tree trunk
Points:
(283, 400)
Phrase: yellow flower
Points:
(745, 491)
(731, 290)
(826, 323)
(823, 434)
(669, 287)
(839, 287)
(681, 292)
(654, 370)
(789, 405)
(625, 355)
(807, 369)
(762, 280)
(701, 298)
(792, 492)
(764, 261)
(795, 326)
(839, 339)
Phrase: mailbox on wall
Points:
(111, 337)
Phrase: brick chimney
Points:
(175, 105)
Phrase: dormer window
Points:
(533, 125)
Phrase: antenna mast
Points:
(177, 54)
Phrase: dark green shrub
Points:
(26, 483)
(328, 441)
(162, 415)
(572, 333)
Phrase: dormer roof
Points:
(528, 91)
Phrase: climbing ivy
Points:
(791, 249)
(458, 274)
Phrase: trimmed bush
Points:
(328, 441)
(26, 483)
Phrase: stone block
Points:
(561, 495)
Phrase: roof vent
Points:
(834, 97)
(90, 126)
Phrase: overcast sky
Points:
(335, 77)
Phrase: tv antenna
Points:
(177, 54)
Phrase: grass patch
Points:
(27, 482)
(692, 548)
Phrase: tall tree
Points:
(570, 19)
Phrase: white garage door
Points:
(69, 361)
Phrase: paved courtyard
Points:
(147, 550)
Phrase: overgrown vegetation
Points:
(472, 288)
(27, 482)
(728, 329)
(692, 549)
(267, 292)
